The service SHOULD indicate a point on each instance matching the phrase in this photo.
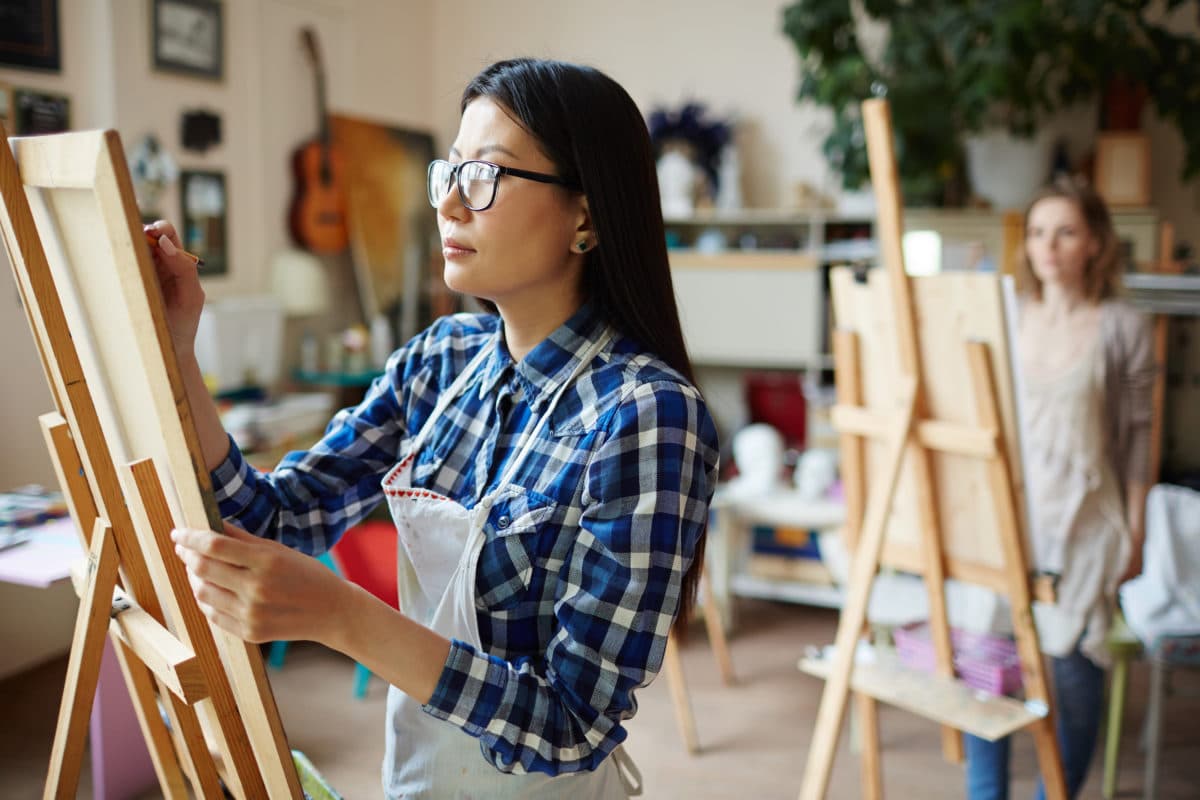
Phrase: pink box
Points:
(983, 661)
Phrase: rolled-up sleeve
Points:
(312, 496)
(646, 493)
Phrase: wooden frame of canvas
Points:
(129, 459)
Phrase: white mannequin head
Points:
(758, 454)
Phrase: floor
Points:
(754, 735)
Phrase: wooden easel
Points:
(129, 462)
(673, 666)
(938, 453)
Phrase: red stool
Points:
(366, 556)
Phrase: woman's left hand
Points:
(259, 589)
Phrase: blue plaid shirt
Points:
(579, 578)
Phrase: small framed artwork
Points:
(6, 109)
(187, 37)
(205, 209)
(35, 113)
(1122, 172)
(29, 34)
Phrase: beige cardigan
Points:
(1129, 376)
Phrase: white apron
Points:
(440, 543)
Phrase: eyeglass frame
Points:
(456, 171)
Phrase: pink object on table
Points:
(121, 765)
(983, 661)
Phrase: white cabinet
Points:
(751, 285)
(751, 309)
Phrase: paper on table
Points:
(46, 558)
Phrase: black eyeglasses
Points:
(477, 181)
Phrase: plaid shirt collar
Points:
(547, 365)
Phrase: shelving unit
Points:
(759, 306)
(771, 231)
(730, 547)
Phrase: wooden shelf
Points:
(767, 216)
(944, 700)
(743, 259)
(809, 594)
(337, 379)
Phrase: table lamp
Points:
(298, 279)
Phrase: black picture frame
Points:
(204, 205)
(29, 34)
(187, 37)
(34, 113)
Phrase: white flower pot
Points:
(1007, 170)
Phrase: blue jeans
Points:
(1078, 698)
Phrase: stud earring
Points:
(583, 246)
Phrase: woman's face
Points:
(1059, 243)
(517, 253)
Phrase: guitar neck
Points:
(309, 37)
(322, 111)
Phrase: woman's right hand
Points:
(180, 282)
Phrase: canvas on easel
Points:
(127, 454)
(928, 425)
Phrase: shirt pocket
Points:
(506, 561)
(425, 468)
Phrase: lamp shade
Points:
(299, 281)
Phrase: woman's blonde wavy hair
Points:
(1102, 272)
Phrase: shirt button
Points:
(504, 521)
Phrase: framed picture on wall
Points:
(204, 204)
(29, 34)
(1122, 171)
(35, 113)
(187, 37)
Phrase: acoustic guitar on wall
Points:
(318, 213)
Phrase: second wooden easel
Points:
(930, 462)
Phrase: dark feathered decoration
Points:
(706, 138)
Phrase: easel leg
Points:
(866, 713)
(140, 681)
(1020, 595)
(83, 667)
(716, 632)
(854, 612)
(677, 683)
(191, 751)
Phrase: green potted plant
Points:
(952, 68)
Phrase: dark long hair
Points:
(589, 126)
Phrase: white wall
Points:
(377, 55)
(730, 56)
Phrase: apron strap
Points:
(450, 395)
(627, 771)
